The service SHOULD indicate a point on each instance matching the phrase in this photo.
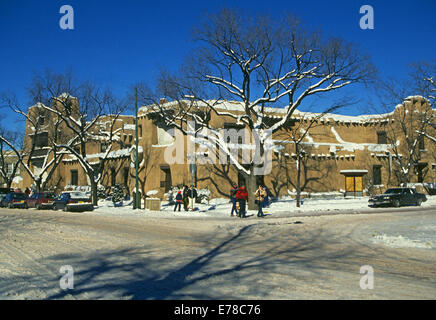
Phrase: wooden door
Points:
(358, 184)
(349, 184)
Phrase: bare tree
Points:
(423, 75)
(11, 154)
(259, 63)
(40, 155)
(414, 118)
(296, 132)
(88, 113)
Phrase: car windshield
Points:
(79, 195)
(19, 196)
(394, 191)
(49, 196)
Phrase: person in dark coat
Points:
(192, 194)
(233, 192)
(185, 197)
(179, 200)
(242, 197)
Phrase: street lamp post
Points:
(137, 197)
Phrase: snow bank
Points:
(400, 242)
(152, 192)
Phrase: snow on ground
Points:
(219, 207)
(400, 242)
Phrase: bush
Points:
(117, 193)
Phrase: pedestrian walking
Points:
(185, 197)
(260, 195)
(242, 198)
(233, 192)
(179, 200)
(192, 194)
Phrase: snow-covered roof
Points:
(354, 171)
(277, 112)
(122, 153)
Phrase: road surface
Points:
(304, 257)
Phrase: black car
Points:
(3, 193)
(14, 200)
(73, 201)
(398, 197)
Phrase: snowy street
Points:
(159, 255)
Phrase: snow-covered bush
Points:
(117, 193)
(171, 194)
(203, 196)
(77, 188)
(101, 192)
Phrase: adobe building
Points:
(9, 161)
(353, 155)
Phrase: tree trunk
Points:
(298, 181)
(94, 196)
(251, 190)
(38, 185)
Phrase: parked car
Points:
(73, 201)
(15, 200)
(398, 197)
(41, 200)
(4, 192)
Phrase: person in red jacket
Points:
(242, 197)
(179, 200)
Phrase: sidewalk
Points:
(220, 208)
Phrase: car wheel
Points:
(10, 205)
(418, 202)
(396, 203)
(26, 206)
(55, 207)
(38, 207)
(65, 209)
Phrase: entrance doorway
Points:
(354, 182)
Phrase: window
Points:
(41, 117)
(103, 147)
(241, 179)
(260, 181)
(126, 176)
(166, 182)
(381, 137)
(74, 177)
(421, 144)
(10, 168)
(421, 171)
(139, 130)
(41, 140)
(113, 177)
(376, 175)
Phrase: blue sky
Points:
(117, 43)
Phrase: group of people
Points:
(240, 196)
(187, 197)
